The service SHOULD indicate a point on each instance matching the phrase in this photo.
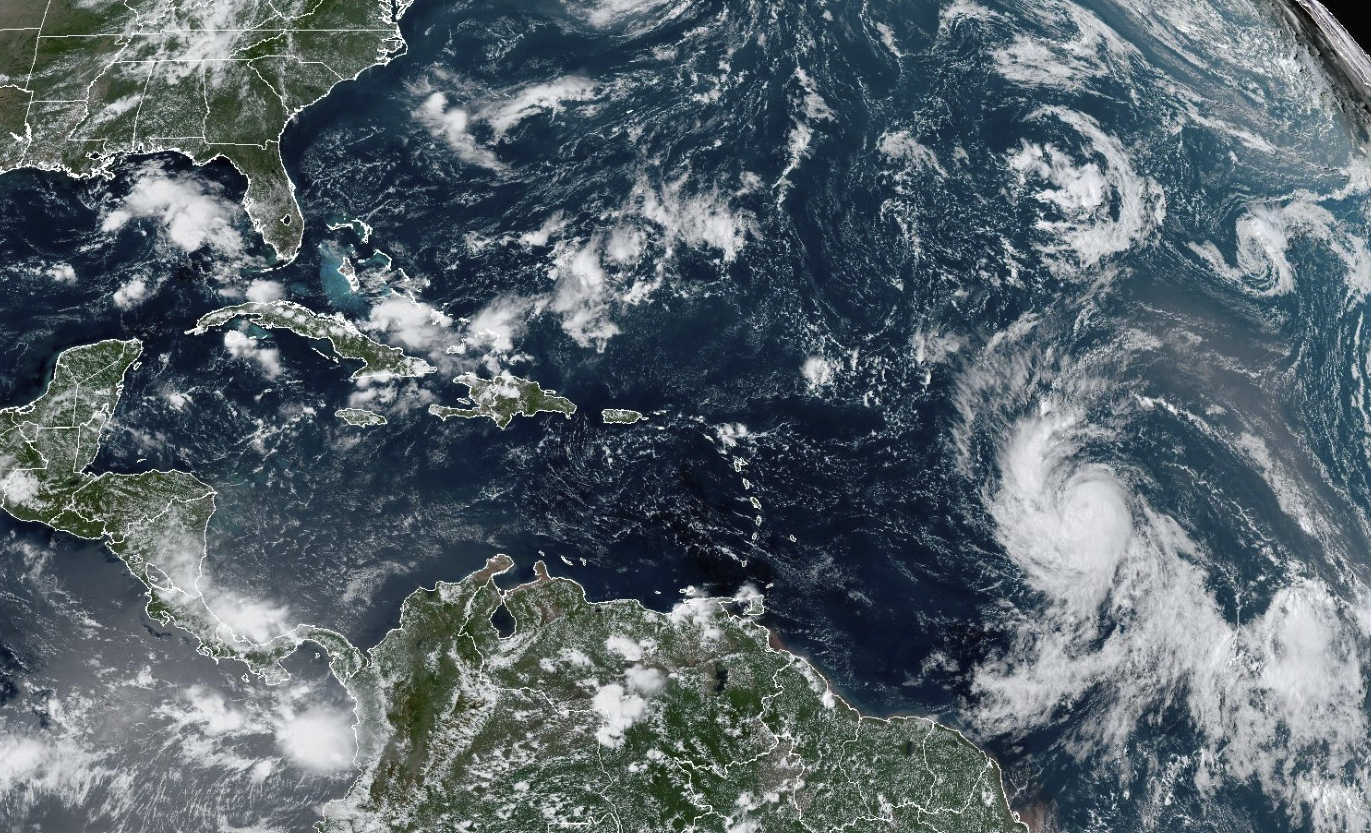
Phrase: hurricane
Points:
(1016, 353)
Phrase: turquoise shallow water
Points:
(1034, 330)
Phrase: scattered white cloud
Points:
(62, 273)
(697, 609)
(176, 399)
(256, 619)
(818, 372)
(243, 346)
(19, 487)
(497, 325)
(606, 13)
(540, 236)
(490, 335)
(225, 826)
(901, 146)
(582, 295)
(132, 293)
(261, 771)
(934, 347)
(538, 98)
(208, 710)
(265, 291)
(585, 293)
(1103, 206)
(1082, 49)
(452, 125)
(22, 759)
(575, 657)
(729, 434)
(192, 214)
(1289, 490)
(618, 711)
(696, 219)
(370, 391)
(627, 648)
(812, 110)
(645, 681)
(116, 108)
(413, 325)
(33, 766)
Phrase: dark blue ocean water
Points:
(1033, 330)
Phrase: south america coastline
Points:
(704, 668)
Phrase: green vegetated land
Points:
(377, 359)
(613, 717)
(153, 521)
(598, 717)
(359, 417)
(502, 398)
(83, 81)
(619, 416)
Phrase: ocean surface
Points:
(1014, 350)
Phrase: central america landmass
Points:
(587, 715)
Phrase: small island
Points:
(530, 708)
(359, 416)
(619, 416)
(502, 398)
(378, 360)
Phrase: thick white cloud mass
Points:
(412, 324)
(131, 294)
(319, 739)
(265, 291)
(192, 215)
(1128, 620)
(243, 346)
(452, 124)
